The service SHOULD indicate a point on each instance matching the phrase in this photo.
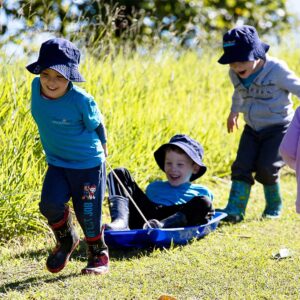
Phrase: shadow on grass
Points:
(35, 281)
(80, 253)
(115, 254)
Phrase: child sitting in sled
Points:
(176, 202)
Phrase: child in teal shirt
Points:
(73, 138)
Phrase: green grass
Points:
(145, 100)
(234, 262)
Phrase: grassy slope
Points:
(235, 262)
(145, 102)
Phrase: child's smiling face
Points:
(53, 84)
(179, 167)
(245, 68)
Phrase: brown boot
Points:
(98, 257)
(66, 242)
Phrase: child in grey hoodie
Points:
(262, 87)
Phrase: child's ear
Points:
(196, 168)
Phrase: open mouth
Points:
(51, 89)
(241, 73)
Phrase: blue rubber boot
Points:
(237, 203)
(273, 201)
(119, 212)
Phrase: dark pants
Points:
(258, 153)
(86, 187)
(197, 211)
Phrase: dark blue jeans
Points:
(258, 153)
(86, 187)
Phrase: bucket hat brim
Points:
(235, 55)
(70, 73)
(60, 55)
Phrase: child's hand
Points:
(232, 121)
(153, 223)
(104, 146)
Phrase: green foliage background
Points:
(100, 22)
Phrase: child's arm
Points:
(92, 117)
(289, 145)
(101, 131)
(287, 80)
(236, 107)
(104, 146)
(232, 121)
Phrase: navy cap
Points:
(242, 44)
(60, 55)
(191, 147)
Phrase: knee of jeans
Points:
(118, 171)
(203, 201)
(51, 211)
(242, 175)
(266, 176)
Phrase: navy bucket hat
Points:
(60, 55)
(242, 44)
(191, 147)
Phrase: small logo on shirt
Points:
(61, 122)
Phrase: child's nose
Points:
(51, 80)
(173, 167)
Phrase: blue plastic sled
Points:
(144, 238)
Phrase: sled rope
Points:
(131, 199)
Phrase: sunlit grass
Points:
(144, 99)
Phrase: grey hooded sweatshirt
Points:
(267, 102)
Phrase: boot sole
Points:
(233, 219)
(94, 272)
(270, 217)
(56, 270)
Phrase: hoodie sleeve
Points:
(287, 80)
(237, 100)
